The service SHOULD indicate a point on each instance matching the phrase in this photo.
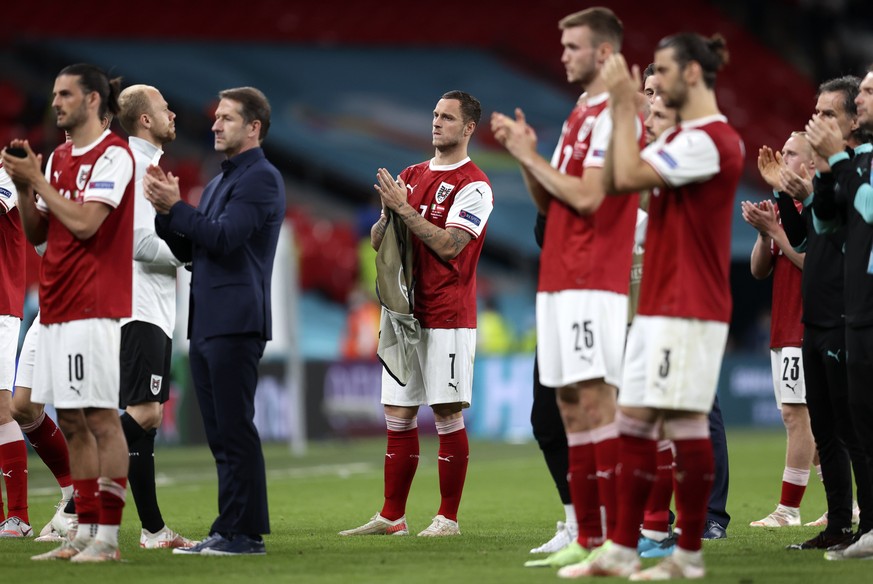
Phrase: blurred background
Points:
(352, 86)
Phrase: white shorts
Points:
(580, 336)
(78, 364)
(672, 363)
(27, 358)
(9, 329)
(788, 385)
(441, 374)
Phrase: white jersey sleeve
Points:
(40, 204)
(599, 140)
(110, 177)
(690, 157)
(471, 208)
(8, 192)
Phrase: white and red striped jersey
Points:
(688, 243)
(91, 278)
(587, 252)
(458, 196)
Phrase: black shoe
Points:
(238, 545)
(200, 548)
(824, 541)
(851, 538)
(713, 530)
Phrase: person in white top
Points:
(146, 337)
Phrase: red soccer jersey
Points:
(12, 251)
(688, 243)
(91, 278)
(786, 318)
(587, 252)
(456, 196)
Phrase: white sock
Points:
(85, 533)
(108, 534)
(570, 514)
(654, 535)
(67, 493)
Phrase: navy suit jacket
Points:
(230, 240)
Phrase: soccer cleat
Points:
(14, 527)
(681, 565)
(66, 551)
(782, 517)
(48, 534)
(607, 560)
(165, 538)
(571, 554)
(824, 541)
(564, 534)
(63, 522)
(440, 527)
(98, 551)
(662, 549)
(823, 520)
(378, 525)
(860, 550)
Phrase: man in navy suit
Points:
(229, 240)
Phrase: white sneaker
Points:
(782, 517)
(823, 520)
(97, 551)
(378, 525)
(564, 534)
(681, 565)
(441, 527)
(14, 527)
(165, 538)
(607, 560)
(860, 550)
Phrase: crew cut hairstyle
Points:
(253, 106)
(93, 78)
(710, 53)
(471, 109)
(604, 24)
(132, 103)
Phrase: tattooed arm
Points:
(446, 243)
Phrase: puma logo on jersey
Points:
(793, 388)
(453, 386)
(57, 175)
(589, 360)
(411, 189)
(836, 355)
(77, 390)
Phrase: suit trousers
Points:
(225, 374)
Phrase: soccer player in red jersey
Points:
(773, 254)
(85, 214)
(445, 203)
(582, 293)
(677, 340)
(13, 452)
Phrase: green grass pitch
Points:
(509, 506)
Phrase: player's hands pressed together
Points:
(515, 135)
(798, 186)
(24, 172)
(161, 189)
(391, 190)
(769, 165)
(761, 216)
(825, 137)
